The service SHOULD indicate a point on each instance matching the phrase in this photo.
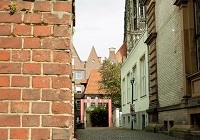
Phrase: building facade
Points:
(173, 46)
(134, 71)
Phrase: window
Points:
(143, 76)
(128, 88)
(134, 84)
(78, 75)
(78, 89)
(141, 10)
(124, 91)
(72, 61)
(197, 23)
(78, 105)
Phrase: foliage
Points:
(12, 8)
(99, 116)
(111, 82)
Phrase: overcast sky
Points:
(99, 23)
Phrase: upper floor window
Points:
(72, 61)
(123, 91)
(134, 78)
(78, 75)
(197, 23)
(143, 75)
(128, 88)
(141, 10)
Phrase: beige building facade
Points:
(173, 46)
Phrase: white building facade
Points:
(134, 89)
(134, 71)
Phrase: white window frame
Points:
(73, 62)
(135, 83)
(129, 88)
(78, 76)
(143, 75)
(124, 91)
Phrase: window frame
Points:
(77, 76)
(143, 76)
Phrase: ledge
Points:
(180, 2)
(150, 38)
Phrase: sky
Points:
(99, 23)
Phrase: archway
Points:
(97, 101)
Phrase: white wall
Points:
(134, 59)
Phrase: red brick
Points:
(33, 18)
(56, 95)
(42, 134)
(56, 69)
(42, 31)
(23, 5)
(12, 68)
(54, 43)
(50, 18)
(20, 81)
(4, 55)
(61, 82)
(3, 108)
(3, 134)
(30, 94)
(21, 55)
(61, 108)
(32, 43)
(31, 68)
(41, 82)
(63, 6)
(40, 108)
(30, 121)
(61, 31)
(20, 30)
(19, 107)
(10, 94)
(13, 43)
(42, 6)
(9, 120)
(41, 55)
(4, 5)
(56, 121)
(7, 18)
(4, 81)
(61, 57)
(19, 133)
(5, 30)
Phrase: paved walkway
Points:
(118, 134)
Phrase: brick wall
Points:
(178, 116)
(169, 53)
(35, 69)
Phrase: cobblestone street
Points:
(119, 134)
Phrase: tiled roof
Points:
(121, 53)
(92, 85)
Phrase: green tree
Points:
(111, 81)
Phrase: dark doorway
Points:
(143, 122)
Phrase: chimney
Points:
(99, 59)
(112, 56)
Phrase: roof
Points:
(121, 53)
(93, 85)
